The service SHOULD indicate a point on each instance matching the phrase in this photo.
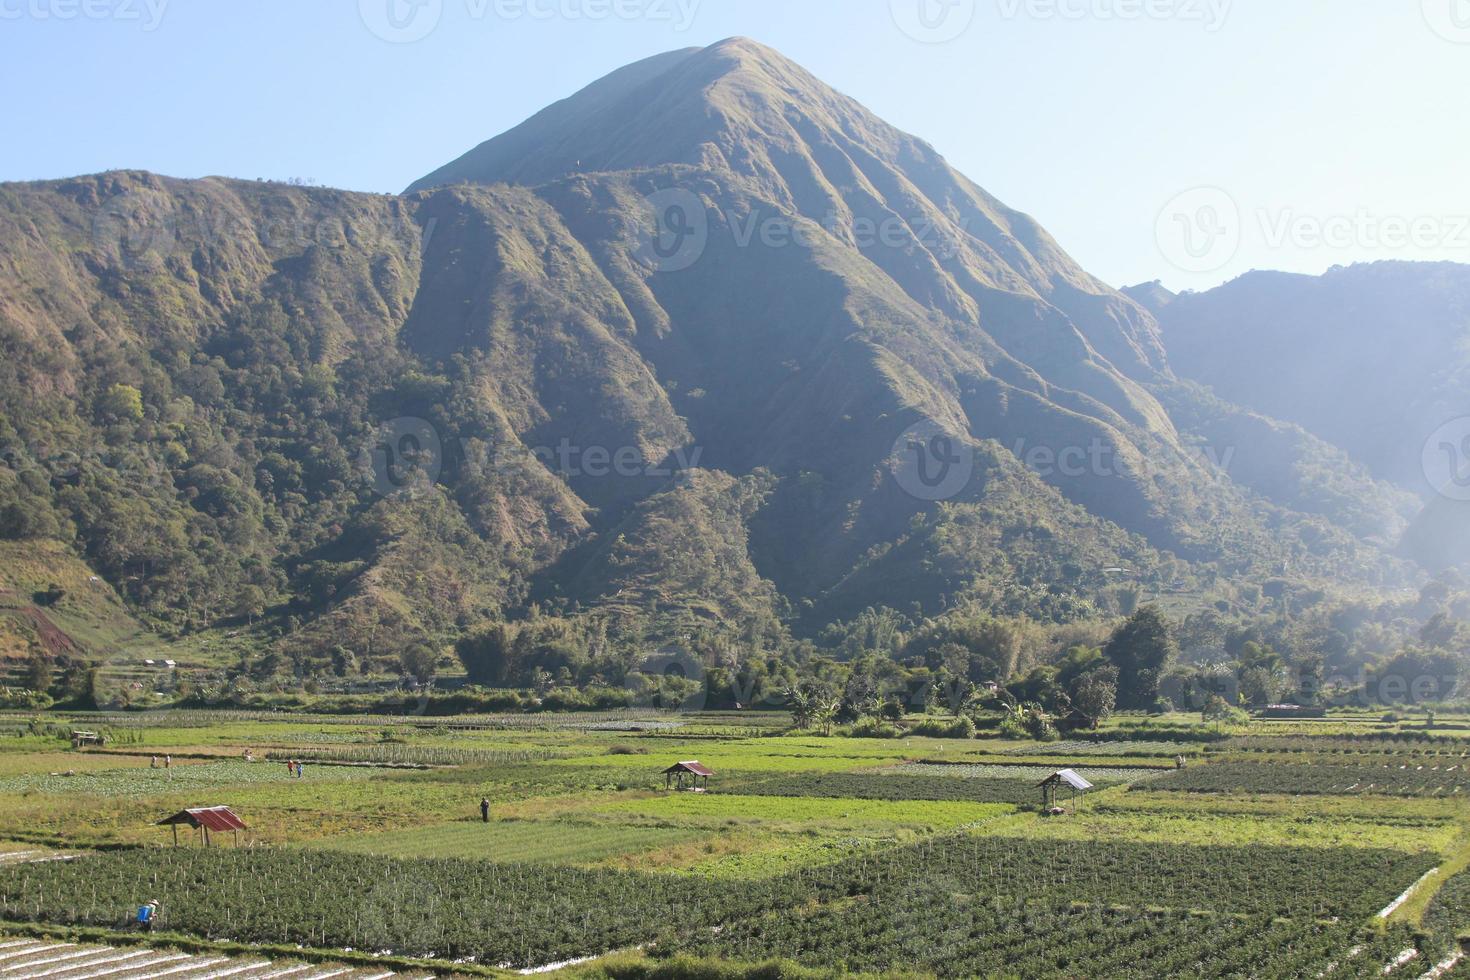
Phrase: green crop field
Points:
(511, 841)
(902, 855)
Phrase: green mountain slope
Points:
(378, 420)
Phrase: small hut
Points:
(80, 739)
(205, 819)
(1061, 778)
(694, 771)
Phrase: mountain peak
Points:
(689, 106)
(748, 118)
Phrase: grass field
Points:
(906, 854)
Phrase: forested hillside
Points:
(352, 428)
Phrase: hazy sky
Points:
(1301, 134)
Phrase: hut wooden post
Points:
(176, 834)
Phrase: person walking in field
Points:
(484, 810)
(153, 763)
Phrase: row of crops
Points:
(1253, 879)
(1113, 747)
(525, 914)
(955, 933)
(873, 786)
(1448, 914)
(518, 914)
(1379, 779)
(1097, 775)
(401, 754)
(518, 721)
(1370, 744)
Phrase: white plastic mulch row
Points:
(43, 959)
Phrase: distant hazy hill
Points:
(388, 418)
(1372, 358)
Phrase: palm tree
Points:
(826, 713)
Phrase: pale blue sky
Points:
(1349, 120)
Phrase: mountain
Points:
(705, 349)
(1372, 358)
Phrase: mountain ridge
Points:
(390, 419)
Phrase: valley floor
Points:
(1333, 848)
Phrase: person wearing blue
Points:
(147, 915)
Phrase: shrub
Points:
(873, 728)
(961, 727)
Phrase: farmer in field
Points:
(148, 915)
(484, 810)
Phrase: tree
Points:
(1142, 649)
(487, 654)
(250, 603)
(419, 661)
(1221, 712)
(1259, 686)
(344, 661)
(123, 402)
(38, 673)
(1095, 694)
(1030, 719)
(811, 706)
(1442, 633)
(826, 714)
(802, 703)
(1311, 671)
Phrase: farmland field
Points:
(1267, 855)
(513, 841)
